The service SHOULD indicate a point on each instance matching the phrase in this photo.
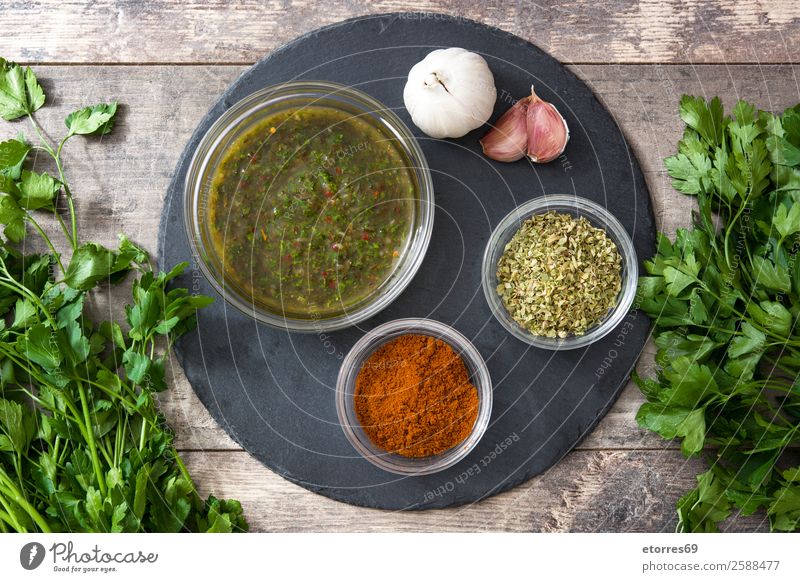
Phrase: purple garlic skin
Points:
(548, 133)
(507, 141)
(531, 127)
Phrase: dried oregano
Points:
(559, 275)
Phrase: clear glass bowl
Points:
(238, 120)
(345, 396)
(577, 207)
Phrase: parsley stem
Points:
(47, 241)
(45, 142)
(11, 284)
(62, 224)
(141, 437)
(33, 374)
(104, 451)
(8, 515)
(67, 192)
(111, 394)
(56, 446)
(90, 439)
(56, 155)
(185, 472)
(17, 497)
(731, 224)
(741, 315)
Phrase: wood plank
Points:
(628, 31)
(588, 491)
(120, 183)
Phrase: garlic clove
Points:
(547, 130)
(507, 141)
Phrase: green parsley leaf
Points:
(787, 222)
(25, 313)
(771, 315)
(702, 508)
(691, 174)
(136, 365)
(705, 118)
(90, 264)
(12, 154)
(690, 383)
(93, 120)
(40, 346)
(15, 426)
(8, 186)
(772, 276)
(785, 147)
(20, 92)
(673, 344)
(78, 343)
(752, 340)
(38, 190)
(677, 280)
(13, 217)
(14, 171)
(784, 511)
(675, 421)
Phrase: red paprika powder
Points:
(413, 397)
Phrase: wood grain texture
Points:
(122, 181)
(588, 491)
(223, 31)
(621, 478)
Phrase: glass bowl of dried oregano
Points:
(559, 272)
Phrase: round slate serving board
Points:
(273, 391)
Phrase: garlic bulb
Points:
(531, 127)
(450, 92)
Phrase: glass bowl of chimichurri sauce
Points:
(309, 205)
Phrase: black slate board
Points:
(273, 392)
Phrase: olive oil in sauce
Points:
(310, 210)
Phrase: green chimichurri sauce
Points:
(310, 209)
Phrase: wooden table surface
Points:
(167, 61)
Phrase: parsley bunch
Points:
(725, 299)
(82, 444)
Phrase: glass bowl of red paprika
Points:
(445, 344)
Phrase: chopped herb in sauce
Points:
(310, 210)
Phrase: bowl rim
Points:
(257, 101)
(345, 389)
(600, 217)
